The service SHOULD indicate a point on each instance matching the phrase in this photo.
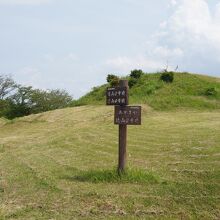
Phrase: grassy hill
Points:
(2, 121)
(60, 164)
(187, 91)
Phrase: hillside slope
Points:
(187, 91)
(3, 121)
(46, 162)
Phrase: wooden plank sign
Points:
(117, 96)
(127, 115)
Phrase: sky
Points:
(75, 44)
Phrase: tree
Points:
(49, 100)
(136, 74)
(113, 80)
(111, 77)
(167, 77)
(4, 107)
(17, 100)
(27, 101)
(59, 98)
(7, 85)
(19, 103)
(22, 95)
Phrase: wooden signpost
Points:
(124, 115)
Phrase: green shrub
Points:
(110, 77)
(211, 92)
(132, 82)
(136, 74)
(114, 82)
(167, 77)
(4, 107)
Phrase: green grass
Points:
(112, 176)
(187, 91)
(61, 165)
(95, 97)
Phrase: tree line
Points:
(17, 100)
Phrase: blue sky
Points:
(74, 44)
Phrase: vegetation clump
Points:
(211, 92)
(113, 80)
(135, 75)
(132, 82)
(167, 77)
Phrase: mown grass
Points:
(112, 176)
(60, 165)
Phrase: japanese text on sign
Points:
(128, 115)
(117, 96)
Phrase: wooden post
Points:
(122, 139)
(124, 115)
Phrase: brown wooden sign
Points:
(127, 115)
(124, 115)
(117, 96)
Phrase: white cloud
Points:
(190, 38)
(163, 24)
(124, 64)
(72, 57)
(24, 2)
(192, 19)
(217, 13)
(196, 31)
(48, 58)
(173, 2)
(167, 53)
(69, 57)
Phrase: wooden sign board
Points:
(127, 115)
(117, 96)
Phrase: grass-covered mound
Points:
(186, 91)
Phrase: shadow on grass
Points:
(111, 176)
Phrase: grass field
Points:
(59, 165)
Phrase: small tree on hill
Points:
(112, 79)
(211, 92)
(136, 74)
(167, 77)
